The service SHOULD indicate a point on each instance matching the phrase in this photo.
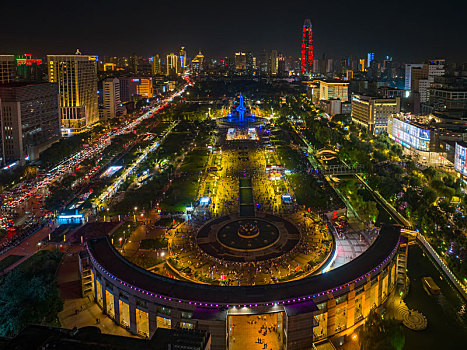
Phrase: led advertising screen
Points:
(460, 165)
(410, 135)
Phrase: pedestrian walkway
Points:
(412, 319)
(398, 309)
(78, 311)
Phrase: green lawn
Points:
(307, 191)
(182, 192)
(291, 159)
(153, 243)
(172, 144)
(194, 161)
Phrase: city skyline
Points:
(218, 29)
(211, 175)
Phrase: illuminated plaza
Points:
(233, 176)
(249, 264)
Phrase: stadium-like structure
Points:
(300, 312)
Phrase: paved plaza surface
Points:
(348, 247)
(234, 160)
(255, 332)
(78, 311)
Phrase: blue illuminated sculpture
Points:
(241, 109)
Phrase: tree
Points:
(29, 294)
(381, 333)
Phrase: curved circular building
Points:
(289, 315)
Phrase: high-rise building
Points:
(240, 61)
(329, 65)
(263, 63)
(333, 89)
(133, 63)
(307, 47)
(197, 63)
(29, 119)
(30, 69)
(128, 89)
(408, 75)
(272, 67)
(7, 69)
(387, 68)
(250, 63)
(111, 97)
(156, 67)
(370, 57)
(182, 57)
(373, 112)
(361, 65)
(281, 65)
(172, 64)
(421, 78)
(145, 88)
(76, 76)
(109, 67)
(316, 68)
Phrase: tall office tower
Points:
(7, 69)
(370, 57)
(30, 69)
(182, 57)
(329, 65)
(156, 67)
(307, 47)
(281, 65)
(272, 67)
(361, 65)
(421, 77)
(316, 68)
(263, 62)
(123, 62)
(133, 63)
(387, 68)
(197, 63)
(240, 62)
(408, 75)
(436, 68)
(127, 88)
(172, 64)
(373, 112)
(145, 88)
(329, 90)
(145, 66)
(250, 64)
(76, 76)
(111, 97)
(30, 120)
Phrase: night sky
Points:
(406, 30)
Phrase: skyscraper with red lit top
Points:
(307, 48)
